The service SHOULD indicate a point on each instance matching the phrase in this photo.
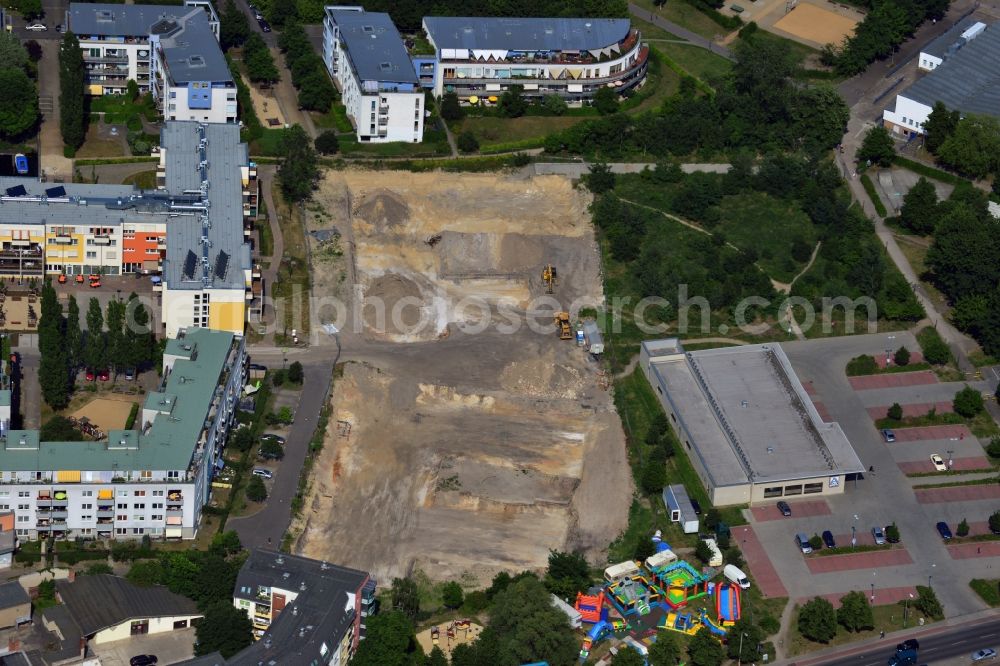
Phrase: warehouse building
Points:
(746, 422)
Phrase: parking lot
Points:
(169, 648)
(885, 495)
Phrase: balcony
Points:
(175, 498)
(105, 513)
(58, 515)
(119, 59)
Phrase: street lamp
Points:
(873, 587)
(905, 606)
(740, 655)
(951, 461)
(930, 576)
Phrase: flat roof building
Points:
(746, 422)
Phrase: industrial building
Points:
(963, 72)
(172, 52)
(152, 481)
(378, 85)
(480, 58)
(746, 422)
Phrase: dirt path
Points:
(786, 287)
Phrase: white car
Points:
(879, 535)
(262, 473)
(986, 653)
(939, 464)
(36, 27)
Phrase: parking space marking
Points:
(893, 380)
(957, 494)
(932, 432)
(869, 560)
(883, 595)
(964, 551)
(759, 563)
(971, 462)
(913, 409)
(762, 514)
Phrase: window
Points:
(122, 517)
(86, 506)
(772, 492)
(4, 507)
(23, 507)
(793, 490)
(139, 506)
(138, 519)
(156, 517)
(91, 255)
(85, 517)
(138, 530)
(159, 493)
(123, 506)
(180, 624)
(4, 493)
(121, 530)
(173, 474)
(88, 493)
(122, 493)
(142, 493)
(156, 505)
(23, 519)
(22, 493)
(813, 488)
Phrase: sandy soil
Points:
(467, 453)
(444, 642)
(816, 25)
(106, 413)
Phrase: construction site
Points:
(462, 441)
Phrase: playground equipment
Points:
(712, 626)
(435, 635)
(683, 623)
(597, 633)
(681, 582)
(727, 604)
(591, 607)
(633, 596)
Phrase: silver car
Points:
(879, 535)
(985, 653)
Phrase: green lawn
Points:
(336, 118)
(887, 618)
(493, 129)
(650, 32)
(988, 590)
(687, 16)
(269, 143)
(434, 144)
(769, 226)
(145, 180)
(697, 62)
(118, 109)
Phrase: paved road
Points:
(268, 526)
(680, 31)
(954, 639)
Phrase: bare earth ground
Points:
(814, 23)
(468, 453)
(109, 413)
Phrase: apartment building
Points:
(367, 59)
(963, 72)
(318, 606)
(479, 58)
(170, 51)
(152, 481)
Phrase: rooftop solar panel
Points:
(221, 265)
(16, 191)
(190, 261)
(55, 192)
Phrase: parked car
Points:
(130, 374)
(90, 376)
(944, 530)
(262, 473)
(784, 508)
(879, 535)
(694, 503)
(985, 653)
(802, 542)
(938, 463)
(264, 25)
(828, 539)
(36, 27)
(888, 435)
(143, 660)
(271, 437)
(103, 375)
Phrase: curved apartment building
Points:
(571, 57)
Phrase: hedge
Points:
(74, 556)
(512, 146)
(133, 413)
(25, 557)
(873, 195)
(115, 160)
(926, 170)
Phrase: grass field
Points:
(269, 143)
(687, 16)
(435, 143)
(698, 62)
(916, 253)
(770, 226)
(492, 129)
(145, 180)
(887, 618)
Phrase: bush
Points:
(467, 142)
(895, 412)
(902, 356)
(968, 402)
(995, 522)
(327, 143)
(815, 542)
(703, 552)
(295, 373)
(855, 613)
(933, 347)
(993, 448)
(770, 625)
(256, 492)
(451, 594)
(450, 108)
(862, 365)
(927, 602)
(817, 620)
(963, 528)
(892, 533)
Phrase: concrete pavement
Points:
(54, 166)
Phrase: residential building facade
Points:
(480, 58)
(152, 481)
(367, 59)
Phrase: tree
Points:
(892, 533)
(316, 92)
(34, 50)
(95, 351)
(664, 652)
(993, 448)
(974, 146)
(467, 142)
(298, 170)
(241, 439)
(327, 143)
(994, 522)
(139, 337)
(654, 476)
(600, 178)
(704, 650)
(920, 212)
(256, 492)
(450, 108)
(59, 429)
(605, 101)
(902, 356)
(260, 63)
(817, 620)
(74, 336)
(567, 574)
(968, 402)
(512, 103)
(145, 573)
(927, 602)
(12, 52)
(436, 658)
(525, 627)
(224, 629)
(281, 12)
(855, 613)
(405, 597)
(226, 543)
(18, 102)
(234, 28)
(702, 551)
(627, 656)
(72, 112)
(962, 241)
(752, 636)
(270, 449)
(389, 641)
(295, 372)
(118, 353)
(933, 347)
(53, 369)
(821, 116)
(963, 528)
(452, 595)
(554, 104)
(939, 126)
(877, 147)
(895, 412)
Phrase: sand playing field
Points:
(816, 25)
(105, 413)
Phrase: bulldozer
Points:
(562, 321)
(549, 277)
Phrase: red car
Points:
(79, 279)
(95, 285)
(90, 375)
(104, 375)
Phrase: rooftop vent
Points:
(196, 61)
(105, 16)
(384, 66)
(368, 28)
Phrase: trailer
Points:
(592, 337)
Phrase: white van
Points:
(736, 576)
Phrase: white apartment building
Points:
(150, 481)
(367, 59)
(479, 58)
(171, 51)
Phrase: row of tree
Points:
(968, 144)
(18, 95)
(887, 24)
(123, 341)
(316, 92)
(758, 107)
(818, 620)
(72, 97)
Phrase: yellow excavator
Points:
(549, 277)
(562, 321)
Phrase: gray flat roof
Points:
(939, 46)
(525, 34)
(750, 418)
(191, 52)
(374, 46)
(968, 80)
(113, 20)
